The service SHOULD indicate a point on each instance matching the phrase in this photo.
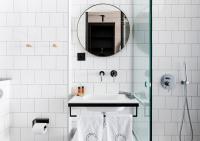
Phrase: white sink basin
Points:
(102, 101)
(104, 98)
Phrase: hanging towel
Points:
(90, 127)
(74, 135)
(119, 127)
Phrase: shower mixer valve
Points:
(167, 81)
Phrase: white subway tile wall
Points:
(34, 52)
(175, 40)
(86, 73)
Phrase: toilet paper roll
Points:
(39, 128)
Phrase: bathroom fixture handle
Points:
(185, 82)
(101, 73)
(147, 84)
(113, 73)
(167, 81)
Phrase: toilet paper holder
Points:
(40, 120)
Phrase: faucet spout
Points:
(101, 73)
(127, 94)
(123, 92)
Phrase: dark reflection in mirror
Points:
(103, 30)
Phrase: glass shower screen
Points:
(142, 68)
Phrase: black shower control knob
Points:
(113, 73)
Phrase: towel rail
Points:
(135, 105)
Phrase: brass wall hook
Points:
(28, 45)
(55, 45)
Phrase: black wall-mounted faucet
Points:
(101, 73)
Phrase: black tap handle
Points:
(113, 73)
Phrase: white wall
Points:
(176, 33)
(86, 73)
(39, 73)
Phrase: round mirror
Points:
(103, 30)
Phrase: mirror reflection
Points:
(103, 30)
